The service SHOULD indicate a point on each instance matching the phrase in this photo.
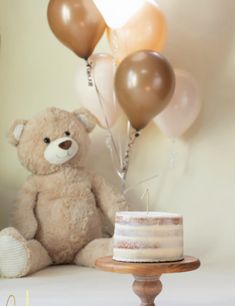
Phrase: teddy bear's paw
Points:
(95, 249)
(13, 254)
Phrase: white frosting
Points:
(148, 255)
(149, 228)
(147, 214)
(151, 241)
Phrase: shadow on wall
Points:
(7, 197)
(201, 38)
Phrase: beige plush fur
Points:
(63, 213)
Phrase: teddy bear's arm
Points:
(108, 199)
(23, 217)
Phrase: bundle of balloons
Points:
(136, 76)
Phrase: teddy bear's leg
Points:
(39, 257)
(93, 250)
(19, 257)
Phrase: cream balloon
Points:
(183, 108)
(117, 13)
(145, 30)
(103, 105)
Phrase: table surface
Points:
(189, 263)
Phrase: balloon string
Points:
(142, 182)
(134, 134)
(173, 154)
(110, 147)
(101, 100)
(171, 159)
(107, 123)
(89, 74)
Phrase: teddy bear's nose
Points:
(65, 145)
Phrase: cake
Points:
(148, 237)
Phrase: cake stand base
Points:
(147, 288)
(147, 285)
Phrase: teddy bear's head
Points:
(52, 140)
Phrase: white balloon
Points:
(184, 107)
(103, 105)
(116, 13)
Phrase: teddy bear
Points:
(64, 214)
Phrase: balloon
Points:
(103, 71)
(77, 24)
(144, 84)
(146, 30)
(183, 108)
(117, 13)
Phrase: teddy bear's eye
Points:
(67, 133)
(47, 140)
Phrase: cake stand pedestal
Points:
(147, 284)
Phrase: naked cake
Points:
(148, 237)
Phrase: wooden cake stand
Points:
(147, 284)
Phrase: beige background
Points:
(36, 71)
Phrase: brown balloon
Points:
(77, 24)
(144, 85)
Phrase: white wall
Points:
(36, 71)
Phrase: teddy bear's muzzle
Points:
(61, 150)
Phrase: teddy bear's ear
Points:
(86, 118)
(15, 131)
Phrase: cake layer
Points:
(159, 230)
(146, 242)
(148, 237)
(147, 218)
(148, 255)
